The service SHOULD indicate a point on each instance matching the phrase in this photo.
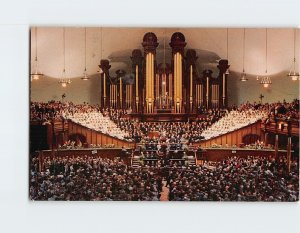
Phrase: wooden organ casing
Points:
(174, 87)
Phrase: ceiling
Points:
(116, 44)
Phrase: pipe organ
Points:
(194, 90)
(150, 44)
(113, 95)
(164, 87)
(199, 97)
(104, 83)
(137, 63)
(177, 44)
(129, 95)
(215, 96)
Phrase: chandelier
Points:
(100, 70)
(266, 80)
(227, 71)
(85, 77)
(36, 74)
(63, 80)
(293, 74)
(243, 77)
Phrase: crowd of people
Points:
(234, 120)
(169, 132)
(285, 110)
(56, 110)
(232, 179)
(235, 179)
(92, 179)
(163, 145)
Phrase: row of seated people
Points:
(54, 110)
(162, 146)
(235, 179)
(277, 109)
(164, 163)
(162, 155)
(284, 110)
(171, 131)
(72, 145)
(92, 178)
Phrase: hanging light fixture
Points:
(63, 80)
(69, 80)
(227, 71)
(243, 77)
(85, 77)
(293, 74)
(36, 75)
(100, 70)
(266, 80)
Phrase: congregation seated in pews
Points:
(92, 178)
(231, 179)
(235, 179)
(284, 110)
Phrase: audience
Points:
(163, 154)
(235, 179)
(92, 178)
(232, 179)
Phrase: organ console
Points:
(162, 87)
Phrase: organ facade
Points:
(174, 87)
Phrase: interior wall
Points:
(210, 44)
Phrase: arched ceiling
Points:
(118, 43)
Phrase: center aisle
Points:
(165, 192)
